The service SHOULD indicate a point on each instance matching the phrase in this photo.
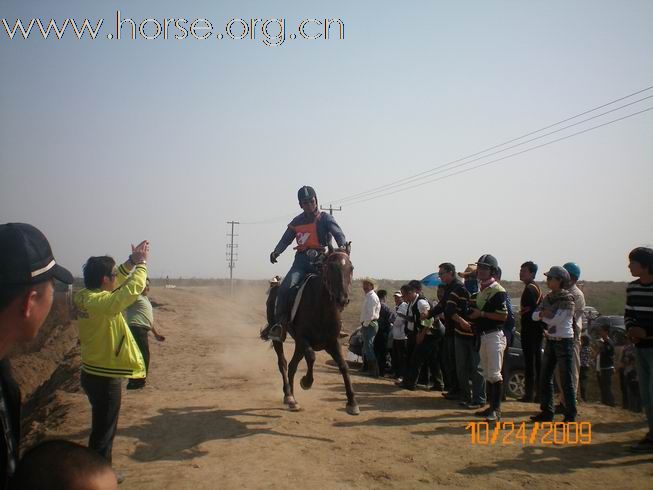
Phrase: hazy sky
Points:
(107, 142)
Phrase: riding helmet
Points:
(488, 261)
(306, 193)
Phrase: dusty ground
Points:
(211, 417)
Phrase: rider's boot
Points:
(276, 332)
(272, 332)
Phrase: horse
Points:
(316, 327)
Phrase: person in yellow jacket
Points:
(108, 349)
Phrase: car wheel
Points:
(517, 384)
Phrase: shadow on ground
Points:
(176, 434)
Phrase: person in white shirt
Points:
(426, 337)
(399, 337)
(557, 312)
(369, 323)
(579, 306)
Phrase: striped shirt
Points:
(639, 310)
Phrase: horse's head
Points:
(338, 274)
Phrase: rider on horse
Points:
(313, 231)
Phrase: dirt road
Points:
(211, 416)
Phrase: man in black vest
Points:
(27, 273)
(428, 335)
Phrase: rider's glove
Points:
(273, 257)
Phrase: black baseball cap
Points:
(26, 257)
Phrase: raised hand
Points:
(140, 252)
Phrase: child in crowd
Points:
(585, 365)
(605, 366)
(628, 361)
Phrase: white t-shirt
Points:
(423, 306)
(398, 326)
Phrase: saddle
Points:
(296, 300)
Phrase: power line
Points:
(502, 158)
(447, 167)
(381, 191)
(426, 172)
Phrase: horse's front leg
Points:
(292, 369)
(283, 369)
(336, 354)
(307, 381)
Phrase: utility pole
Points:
(331, 209)
(232, 255)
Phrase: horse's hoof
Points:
(287, 400)
(294, 407)
(304, 383)
(353, 409)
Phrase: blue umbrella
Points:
(432, 280)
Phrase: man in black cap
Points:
(488, 318)
(27, 273)
(313, 231)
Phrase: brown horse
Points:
(316, 327)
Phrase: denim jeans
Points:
(369, 333)
(300, 268)
(575, 373)
(645, 375)
(105, 395)
(468, 365)
(558, 352)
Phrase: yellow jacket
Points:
(107, 345)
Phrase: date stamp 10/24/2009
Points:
(545, 433)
